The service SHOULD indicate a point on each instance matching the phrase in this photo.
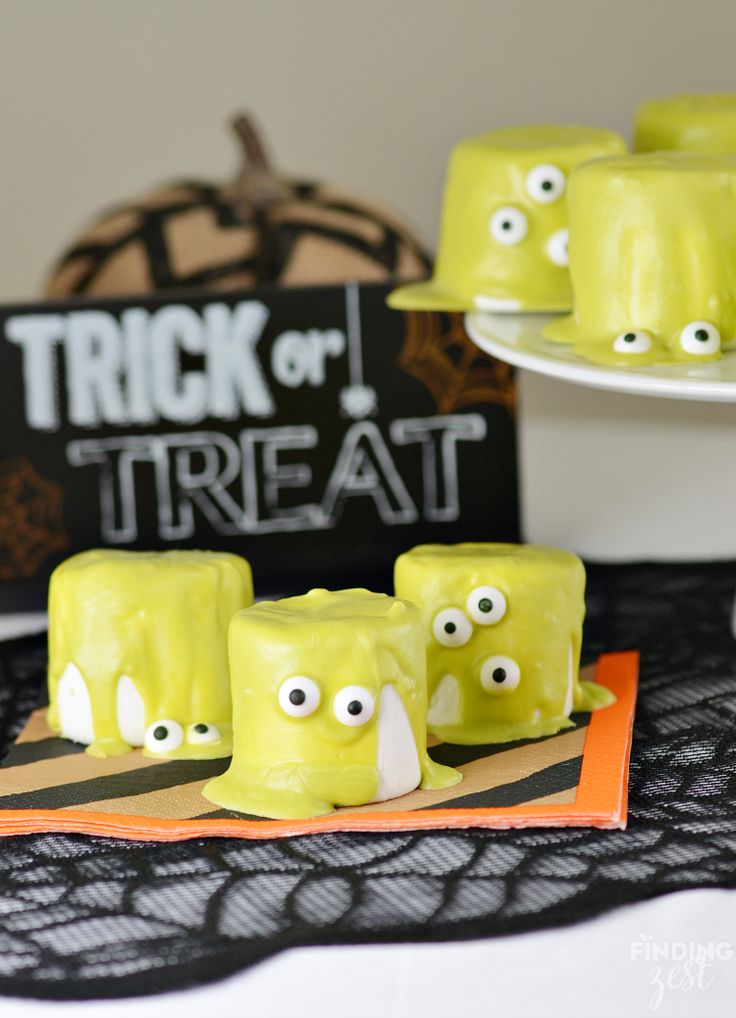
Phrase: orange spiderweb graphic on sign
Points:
(439, 354)
(31, 522)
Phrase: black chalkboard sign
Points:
(312, 430)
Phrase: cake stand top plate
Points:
(518, 340)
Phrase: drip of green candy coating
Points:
(652, 254)
(540, 632)
(159, 618)
(490, 173)
(289, 767)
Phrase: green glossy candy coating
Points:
(653, 256)
(513, 673)
(352, 657)
(687, 123)
(502, 243)
(161, 619)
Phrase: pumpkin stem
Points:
(246, 131)
(256, 187)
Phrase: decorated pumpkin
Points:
(259, 228)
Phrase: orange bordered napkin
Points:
(577, 778)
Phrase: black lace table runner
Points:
(92, 917)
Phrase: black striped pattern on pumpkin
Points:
(268, 250)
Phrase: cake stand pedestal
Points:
(624, 464)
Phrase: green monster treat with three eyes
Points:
(138, 650)
(503, 628)
(503, 237)
(329, 706)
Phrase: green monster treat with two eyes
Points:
(652, 259)
(329, 706)
(138, 650)
(503, 629)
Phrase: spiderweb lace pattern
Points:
(91, 917)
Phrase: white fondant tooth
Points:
(502, 304)
(444, 707)
(130, 711)
(567, 710)
(75, 706)
(397, 759)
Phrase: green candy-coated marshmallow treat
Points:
(329, 706)
(652, 259)
(503, 628)
(687, 123)
(503, 238)
(138, 650)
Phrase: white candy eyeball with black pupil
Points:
(354, 706)
(700, 338)
(545, 183)
(451, 628)
(508, 225)
(500, 675)
(486, 605)
(200, 733)
(557, 249)
(299, 696)
(163, 736)
(633, 342)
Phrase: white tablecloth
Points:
(598, 969)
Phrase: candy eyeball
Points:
(299, 696)
(557, 249)
(700, 338)
(201, 733)
(163, 736)
(633, 342)
(500, 675)
(354, 706)
(545, 183)
(508, 225)
(451, 628)
(486, 605)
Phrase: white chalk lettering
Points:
(38, 336)
(134, 323)
(264, 477)
(365, 468)
(116, 479)
(240, 485)
(439, 437)
(94, 369)
(203, 471)
(181, 395)
(237, 382)
(179, 483)
(130, 371)
(299, 358)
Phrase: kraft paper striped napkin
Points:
(578, 777)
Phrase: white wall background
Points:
(102, 98)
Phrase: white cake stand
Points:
(518, 340)
(605, 468)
